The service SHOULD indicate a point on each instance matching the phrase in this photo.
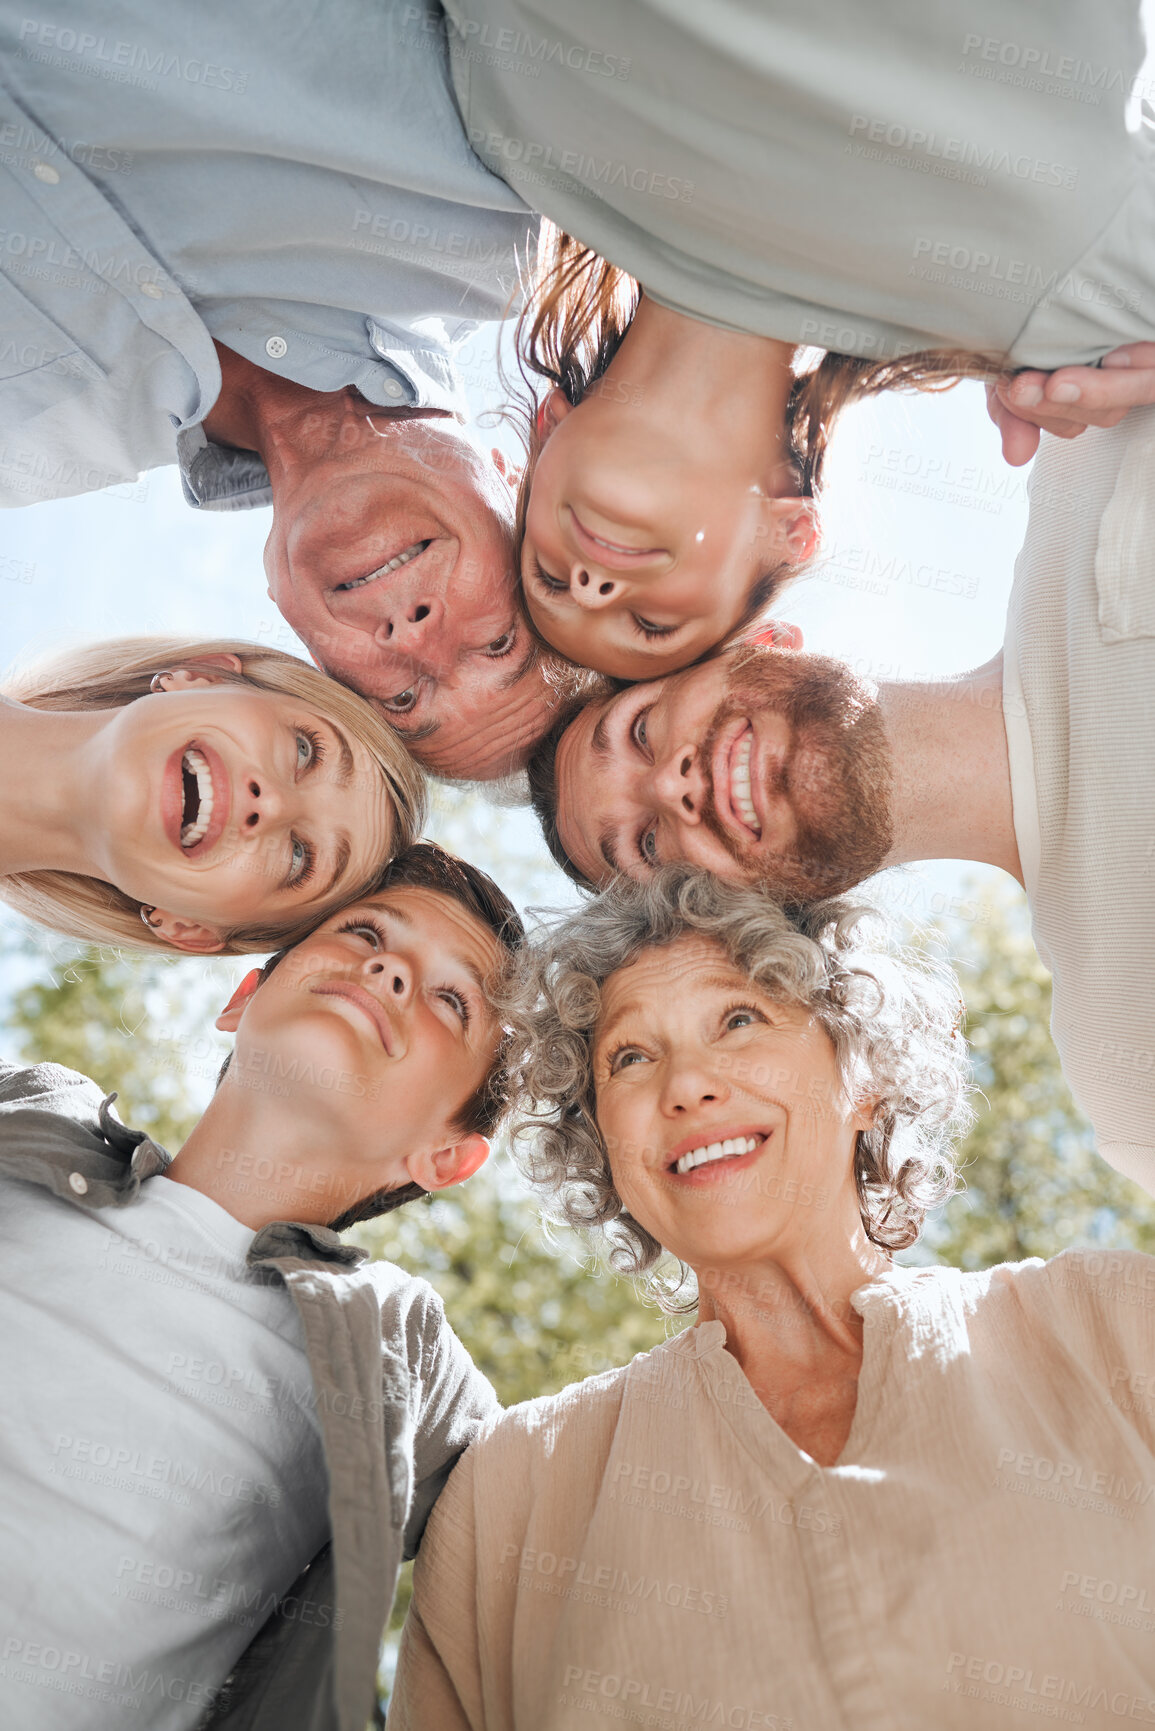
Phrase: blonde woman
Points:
(206, 796)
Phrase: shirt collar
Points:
(394, 367)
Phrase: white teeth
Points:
(717, 1151)
(391, 565)
(194, 764)
(740, 784)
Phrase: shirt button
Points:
(44, 171)
(78, 1182)
(276, 347)
(392, 388)
(152, 290)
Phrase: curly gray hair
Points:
(892, 1017)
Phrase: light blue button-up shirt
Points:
(306, 196)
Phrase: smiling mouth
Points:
(734, 1147)
(616, 549)
(740, 782)
(197, 785)
(394, 564)
(363, 1001)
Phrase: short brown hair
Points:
(541, 773)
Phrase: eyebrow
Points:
(606, 848)
(344, 752)
(512, 678)
(600, 739)
(412, 735)
(340, 862)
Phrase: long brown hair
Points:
(577, 310)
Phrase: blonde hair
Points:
(110, 674)
(577, 310)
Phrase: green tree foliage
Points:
(128, 1022)
(1033, 1182)
(534, 1311)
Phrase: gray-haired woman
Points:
(853, 1493)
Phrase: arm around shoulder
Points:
(438, 1682)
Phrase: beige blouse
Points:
(648, 1547)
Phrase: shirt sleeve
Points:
(455, 1398)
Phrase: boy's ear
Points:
(185, 678)
(552, 412)
(452, 1165)
(229, 1019)
(186, 935)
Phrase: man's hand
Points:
(1068, 401)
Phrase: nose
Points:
(409, 625)
(592, 589)
(262, 804)
(691, 1082)
(680, 784)
(390, 978)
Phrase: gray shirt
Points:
(396, 1394)
(872, 179)
(293, 181)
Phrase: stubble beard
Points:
(837, 774)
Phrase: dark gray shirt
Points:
(397, 1398)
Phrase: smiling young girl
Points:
(209, 796)
(673, 466)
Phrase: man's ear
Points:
(776, 634)
(187, 935)
(185, 678)
(552, 412)
(796, 530)
(229, 1019)
(509, 471)
(452, 1165)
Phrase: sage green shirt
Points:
(870, 179)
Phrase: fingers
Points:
(1083, 396)
(1020, 437)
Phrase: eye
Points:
(639, 731)
(365, 929)
(624, 1058)
(456, 1002)
(502, 645)
(402, 703)
(551, 585)
(648, 847)
(651, 632)
(742, 1016)
(310, 748)
(302, 862)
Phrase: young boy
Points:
(209, 1391)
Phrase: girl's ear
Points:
(188, 935)
(185, 678)
(552, 412)
(796, 528)
(229, 1019)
